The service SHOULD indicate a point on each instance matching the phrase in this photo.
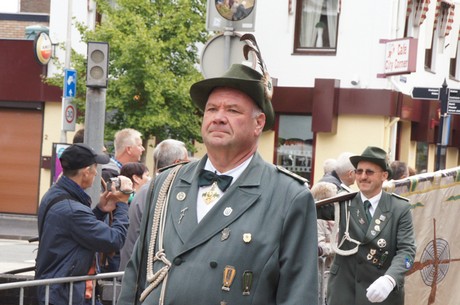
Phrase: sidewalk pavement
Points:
(16, 226)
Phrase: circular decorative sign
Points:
(42, 48)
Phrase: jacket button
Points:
(177, 261)
(213, 264)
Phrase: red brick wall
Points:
(12, 29)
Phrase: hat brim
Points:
(200, 91)
(102, 158)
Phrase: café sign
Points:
(400, 56)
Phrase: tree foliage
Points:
(153, 59)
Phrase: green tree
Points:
(153, 59)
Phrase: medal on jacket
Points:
(229, 276)
(212, 194)
(247, 282)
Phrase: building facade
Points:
(339, 86)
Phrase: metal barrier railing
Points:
(322, 284)
(71, 280)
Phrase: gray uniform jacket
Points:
(135, 215)
(265, 223)
(387, 247)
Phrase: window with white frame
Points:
(316, 26)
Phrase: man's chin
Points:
(216, 141)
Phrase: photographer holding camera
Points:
(70, 233)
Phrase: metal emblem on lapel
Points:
(361, 221)
(382, 243)
(228, 211)
(181, 196)
(247, 237)
(377, 228)
(373, 233)
(225, 234)
(182, 214)
(377, 221)
(382, 217)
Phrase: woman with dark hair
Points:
(137, 172)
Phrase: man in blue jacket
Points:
(70, 232)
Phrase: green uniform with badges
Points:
(257, 245)
(387, 247)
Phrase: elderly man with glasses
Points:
(375, 246)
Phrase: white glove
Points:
(379, 290)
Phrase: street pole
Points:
(94, 132)
(96, 83)
(441, 142)
(228, 34)
(68, 48)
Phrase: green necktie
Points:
(367, 206)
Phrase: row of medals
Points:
(377, 257)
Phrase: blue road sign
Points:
(70, 83)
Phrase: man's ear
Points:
(385, 175)
(260, 123)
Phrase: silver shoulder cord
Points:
(346, 234)
(158, 226)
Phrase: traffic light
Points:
(97, 67)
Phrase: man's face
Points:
(231, 120)
(350, 178)
(370, 178)
(135, 151)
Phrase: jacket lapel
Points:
(182, 200)
(358, 215)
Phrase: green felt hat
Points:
(374, 155)
(257, 86)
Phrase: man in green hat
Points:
(376, 240)
(229, 228)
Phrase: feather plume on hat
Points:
(251, 45)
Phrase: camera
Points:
(113, 181)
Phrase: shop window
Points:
(316, 26)
(294, 149)
(421, 158)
